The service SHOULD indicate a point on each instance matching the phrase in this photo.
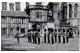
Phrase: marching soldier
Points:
(38, 36)
(59, 36)
(55, 33)
(44, 35)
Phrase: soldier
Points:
(67, 36)
(44, 35)
(38, 36)
(59, 37)
(55, 33)
(48, 36)
(33, 35)
(30, 36)
(63, 36)
(52, 36)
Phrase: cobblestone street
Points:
(10, 44)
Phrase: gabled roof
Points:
(14, 13)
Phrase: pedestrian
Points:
(59, 36)
(44, 35)
(38, 36)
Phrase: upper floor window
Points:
(17, 6)
(70, 10)
(11, 5)
(39, 14)
(75, 10)
(4, 5)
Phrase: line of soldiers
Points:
(34, 36)
(49, 37)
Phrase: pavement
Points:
(10, 44)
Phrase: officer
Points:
(38, 36)
(63, 36)
(55, 33)
(30, 36)
(52, 36)
(48, 36)
(59, 37)
(67, 36)
(44, 35)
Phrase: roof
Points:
(14, 13)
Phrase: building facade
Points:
(13, 16)
(22, 15)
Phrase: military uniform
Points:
(45, 36)
(38, 36)
(67, 36)
(59, 36)
(52, 37)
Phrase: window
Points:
(11, 5)
(3, 20)
(70, 10)
(4, 5)
(23, 30)
(75, 10)
(4, 31)
(39, 14)
(17, 6)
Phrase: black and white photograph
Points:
(40, 26)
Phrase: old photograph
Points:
(40, 26)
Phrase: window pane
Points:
(75, 10)
(11, 5)
(4, 5)
(17, 6)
